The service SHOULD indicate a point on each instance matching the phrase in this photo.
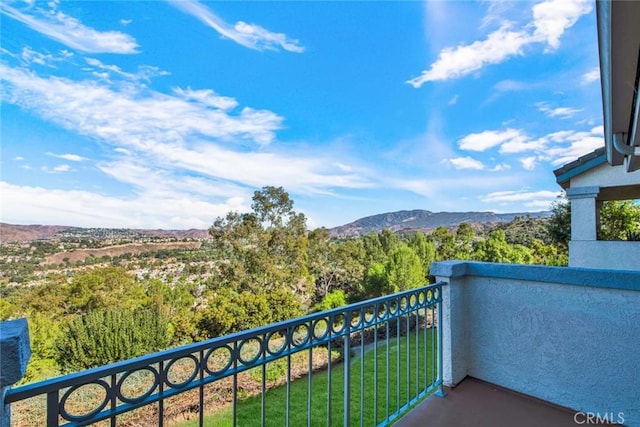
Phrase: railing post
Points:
(452, 323)
(346, 346)
(14, 356)
(441, 390)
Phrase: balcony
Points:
(549, 344)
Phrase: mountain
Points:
(422, 220)
(415, 220)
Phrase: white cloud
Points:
(551, 18)
(18, 158)
(145, 72)
(465, 163)
(560, 112)
(70, 157)
(129, 117)
(511, 86)
(568, 146)
(591, 76)
(520, 196)
(181, 134)
(557, 147)
(248, 35)
(72, 33)
(57, 169)
(500, 167)
(454, 100)
(522, 145)
(422, 187)
(528, 163)
(207, 97)
(459, 61)
(27, 204)
(29, 56)
(490, 138)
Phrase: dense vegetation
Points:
(257, 267)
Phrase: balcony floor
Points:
(476, 403)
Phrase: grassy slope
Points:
(249, 409)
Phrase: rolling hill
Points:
(426, 221)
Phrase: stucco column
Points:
(584, 216)
(14, 356)
(454, 324)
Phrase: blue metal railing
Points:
(394, 340)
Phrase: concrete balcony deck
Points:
(476, 403)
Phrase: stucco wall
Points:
(567, 335)
(615, 255)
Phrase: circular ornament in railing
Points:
(383, 311)
(369, 316)
(356, 319)
(218, 360)
(82, 395)
(249, 350)
(181, 371)
(338, 323)
(436, 294)
(393, 307)
(276, 342)
(429, 296)
(404, 305)
(139, 382)
(300, 335)
(413, 302)
(422, 298)
(320, 328)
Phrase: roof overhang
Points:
(579, 166)
(619, 46)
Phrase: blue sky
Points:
(167, 114)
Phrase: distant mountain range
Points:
(407, 221)
(426, 221)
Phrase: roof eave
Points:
(618, 39)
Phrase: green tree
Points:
(444, 242)
(229, 312)
(619, 218)
(100, 288)
(548, 254)
(376, 281)
(44, 330)
(389, 240)
(424, 248)
(464, 241)
(333, 299)
(109, 335)
(265, 249)
(177, 302)
(495, 248)
(559, 225)
(404, 269)
(374, 252)
(335, 265)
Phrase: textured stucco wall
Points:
(615, 255)
(14, 357)
(552, 333)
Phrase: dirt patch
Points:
(132, 248)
